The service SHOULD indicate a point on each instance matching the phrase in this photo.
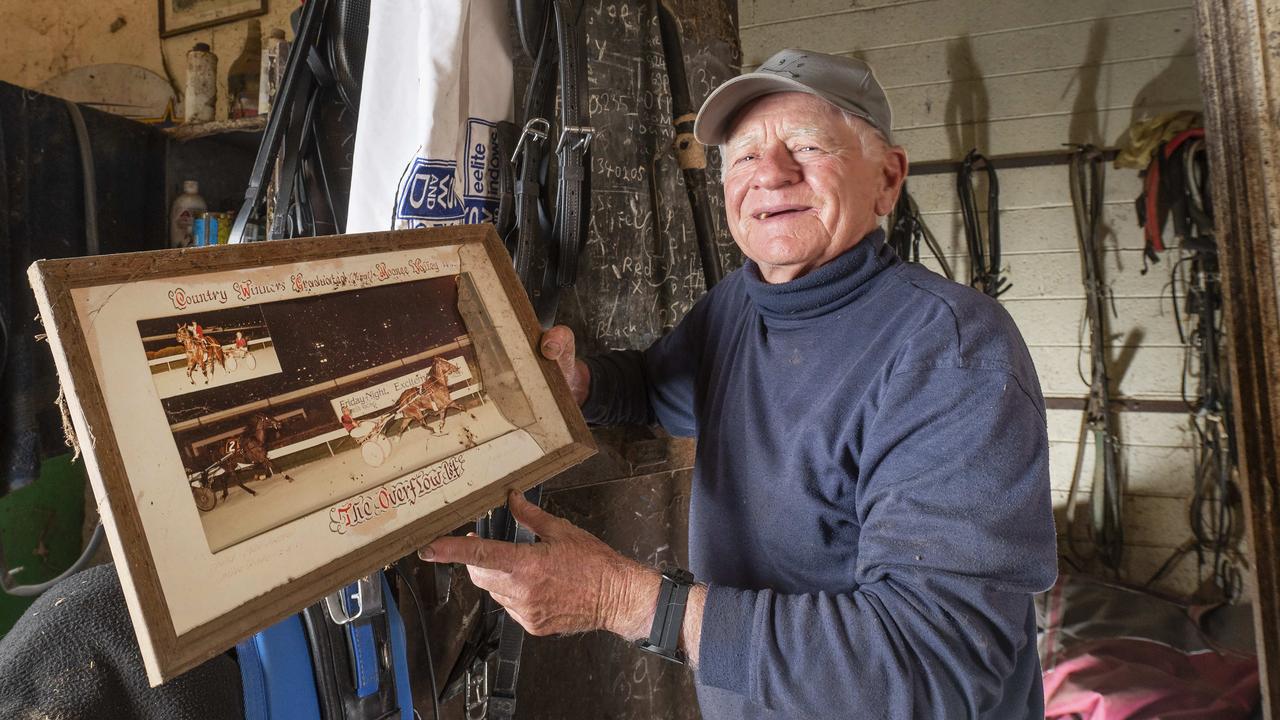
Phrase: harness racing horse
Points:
(432, 396)
(200, 354)
(214, 349)
(248, 448)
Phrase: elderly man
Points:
(870, 512)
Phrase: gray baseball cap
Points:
(847, 83)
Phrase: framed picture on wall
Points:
(180, 16)
(264, 423)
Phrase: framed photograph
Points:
(264, 423)
(181, 16)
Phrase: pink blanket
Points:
(1113, 653)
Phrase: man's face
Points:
(799, 187)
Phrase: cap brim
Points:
(712, 123)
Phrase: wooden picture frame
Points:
(347, 337)
(175, 19)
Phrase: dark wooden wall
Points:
(136, 171)
(639, 275)
(640, 271)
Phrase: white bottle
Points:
(185, 209)
(202, 84)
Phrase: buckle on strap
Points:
(584, 132)
(477, 698)
(531, 130)
(367, 597)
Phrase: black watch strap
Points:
(668, 617)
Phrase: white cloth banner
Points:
(437, 78)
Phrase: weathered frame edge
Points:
(1242, 103)
(171, 654)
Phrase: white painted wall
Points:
(1018, 76)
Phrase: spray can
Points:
(202, 85)
(198, 231)
(275, 52)
(205, 229)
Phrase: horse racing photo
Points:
(199, 350)
(281, 408)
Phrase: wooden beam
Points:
(1239, 59)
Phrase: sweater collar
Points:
(825, 289)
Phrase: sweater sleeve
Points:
(618, 393)
(952, 495)
(629, 387)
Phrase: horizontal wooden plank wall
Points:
(1026, 76)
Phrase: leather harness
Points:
(543, 220)
(984, 262)
(1087, 173)
(907, 229)
(1177, 192)
(1170, 194)
(545, 244)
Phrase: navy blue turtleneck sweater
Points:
(870, 503)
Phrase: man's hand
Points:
(557, 344)
(568, 582)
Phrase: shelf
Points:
(1006, 162)
(183, 133)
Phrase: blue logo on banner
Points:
(428, 194)
(482, 163)
(480, 172)
(480, 210)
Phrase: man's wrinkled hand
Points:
(567, 582)
(557, 344)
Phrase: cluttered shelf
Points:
(185, 132)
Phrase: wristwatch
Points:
(668, 618)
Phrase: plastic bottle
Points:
(202, 87)
(275, 52)
(242, 75)
(185, 209)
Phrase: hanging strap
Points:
(1086, 181)
(573, 162)
(984, 248)
(505, 219)
(689, 152)
(547, 243)
(488, 667)
(549, 233)
(527, 159)
(907, 230)
(573, 148)
(506, 671)
(1171, 192)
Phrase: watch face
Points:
(672, 654)
(677, 575)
